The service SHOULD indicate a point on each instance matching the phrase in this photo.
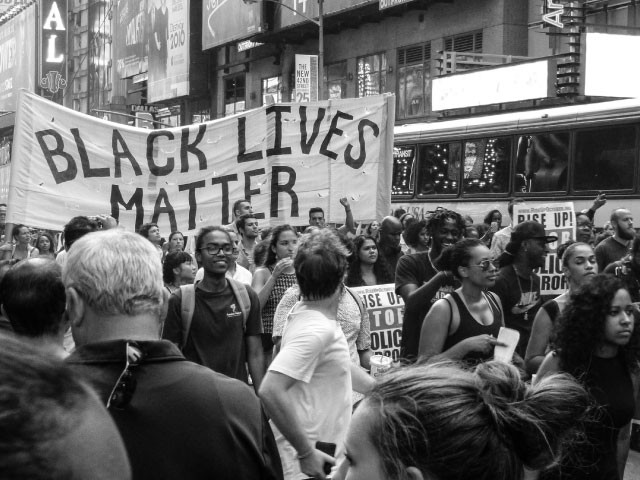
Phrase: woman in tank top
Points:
(21, 249)
(578, 265)
(464, 325)
(596, 343)
(274, 278)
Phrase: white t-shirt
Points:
(315, 352)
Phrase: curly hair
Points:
(412, 232)
(582, 323)
(380, 268)
(439, 218)
(489, 216)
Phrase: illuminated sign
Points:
(513, 83)
(53, 65)
(554, 13)
(606, 68)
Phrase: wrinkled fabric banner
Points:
(284, 158)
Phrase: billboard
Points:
(53, 49)
(285, 18)
(17, 57)
(306, 78)
(168, 37)
(226, 21)
(607, 69)
(131, 39)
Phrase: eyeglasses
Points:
(485, 265)
(216, 249)
(125, 386)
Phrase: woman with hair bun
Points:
(596, 343)
(464, 325)
(578, 265)
(441, 422)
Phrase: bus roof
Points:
(506, 123)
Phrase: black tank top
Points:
(469, 326)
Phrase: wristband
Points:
(305, 455)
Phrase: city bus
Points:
(476, 164)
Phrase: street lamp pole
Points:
(320, 24)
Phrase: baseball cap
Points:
(531, 230)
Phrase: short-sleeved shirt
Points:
(416, 269)
(499, 241)
(315, 353)
(354, 323)
(217, 333)
(521, 299)
(608, 251)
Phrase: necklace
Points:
(431, 262)
(526, 313)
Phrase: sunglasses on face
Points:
(125, 386)
(486, 265)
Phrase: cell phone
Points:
(329, 449)
(494, 226)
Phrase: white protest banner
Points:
(559, 220)
(284, 158)
(386, 309)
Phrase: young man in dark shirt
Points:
(420, 283)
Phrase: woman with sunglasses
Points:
(274, 278)
(578, 265)
(597, 343)
(464, 325)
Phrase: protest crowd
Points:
(244, 352)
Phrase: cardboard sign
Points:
(386, 310)
(284, 159)
(558, 219)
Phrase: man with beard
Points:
(420, 283)
(616, 247)
(247, 227)
(389, 244)
(517, 286)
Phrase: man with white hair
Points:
(177, 419)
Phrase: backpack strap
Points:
(244, 301)
(358, 300)
(187, 307)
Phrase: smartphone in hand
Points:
(329, 449)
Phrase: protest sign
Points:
(284, 159)
(386, 310)
(558, 219)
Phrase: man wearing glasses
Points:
(177, 419)
(219, 336)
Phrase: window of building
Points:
(414, 81)
(605, 159)
(439, 168)
(234, 94)
(372, 74)
(541, 163)
(271, 90)
(335, 78)
(466, 42)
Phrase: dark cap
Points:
(531, 230)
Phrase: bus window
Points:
(486, 165)
(403, 170)
(439, 169)
(542, 161)
(605, 159)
